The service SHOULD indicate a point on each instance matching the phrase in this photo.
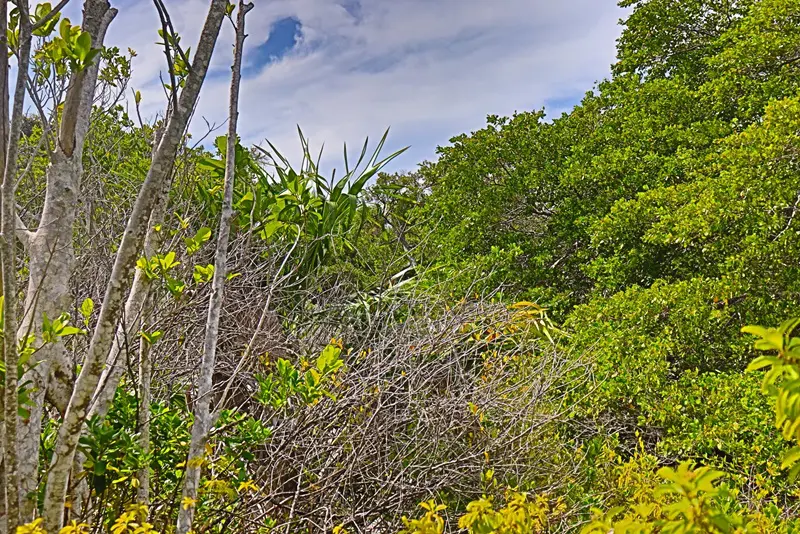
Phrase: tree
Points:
(203, 420)
(124, 265)
(50, 249)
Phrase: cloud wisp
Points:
(346, 69)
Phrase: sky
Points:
(346, 69)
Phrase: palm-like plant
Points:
(276, 201)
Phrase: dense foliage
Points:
(539, 331)
(655, 219)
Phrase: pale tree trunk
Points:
(128, 326)
(51, 256)
(143, 415)
(4, 136)
(122, 273)
(202, 411)
(136, 310)
(9, 271)
(134, 306)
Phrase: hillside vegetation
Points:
(549, 328)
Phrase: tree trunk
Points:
(135, 312)
(134, 306)
(143, 415)
(51, 258)
(202, 411)
(122, 274)
(9, 270)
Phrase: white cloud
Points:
(430, 69)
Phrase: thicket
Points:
(543, 330)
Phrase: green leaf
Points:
(89, 57)
(46, 29)
(721, 522)
(788, 326)
(329, 360)
(203, 235)
(221, 142)
(763, 361)
(790, 457)
(87, 307)
(270, 227)
(794, 471)
(71, 331)
(203, 273)
(83, 45)
(246, 198)
(210, 164)
(151, 337)
(65, 29)
(759, 331)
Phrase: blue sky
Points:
(347, 69)
(284, 35)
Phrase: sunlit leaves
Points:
(133, 521)
(278, 202)
(70, 50)
(203, 273)
(194, 243)
(689, 500)
(86, 309)
(179, 58)
(520, 513)
(39, 13)
(782, 381)
(288, 384)
(151, 337)
(160, 267)
(53, 330)
(430, 523)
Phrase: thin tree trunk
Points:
(9, 271)
(51, 259)
(202, 411)
(122, 273)
(129, 325)
(134, 306)
(135, 312)
(4, 136)
(143, 415)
